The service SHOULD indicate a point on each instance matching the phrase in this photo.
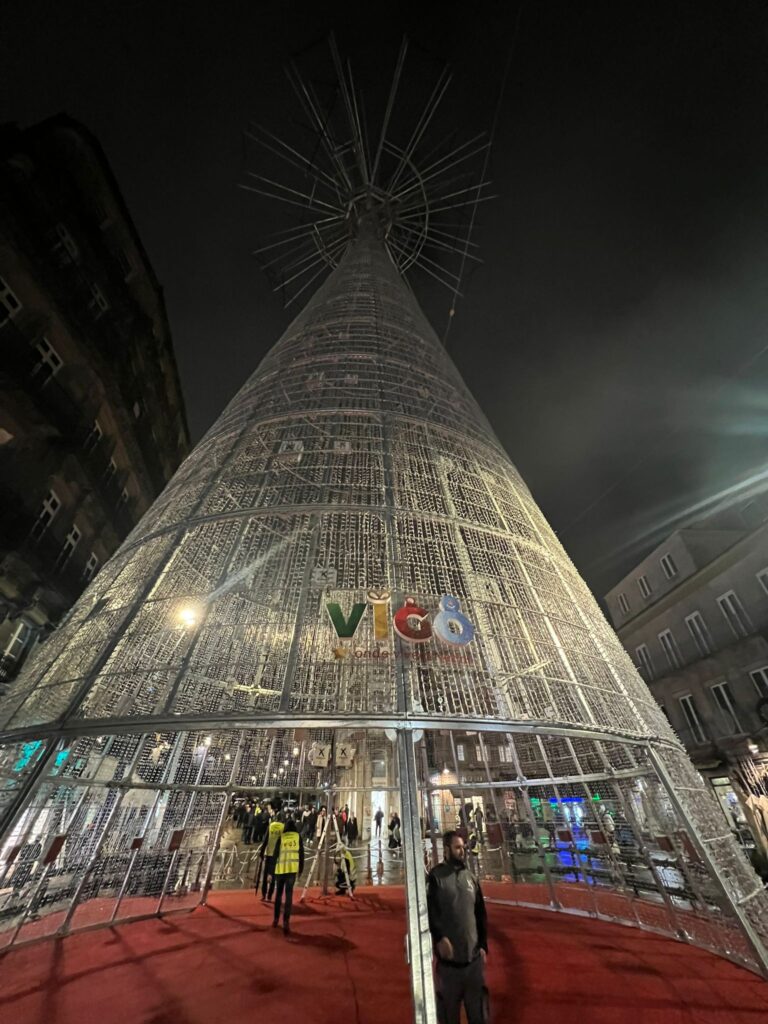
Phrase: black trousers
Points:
(268, 877)
(457, 985)
(285, 884)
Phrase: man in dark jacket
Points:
(458, 923)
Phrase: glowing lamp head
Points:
(188, 616)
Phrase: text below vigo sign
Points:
(411, 623)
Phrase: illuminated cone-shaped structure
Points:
(349, 560)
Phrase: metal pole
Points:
(64, 927)
(429, 815)
(31, 904)
(329, 814)
(134, 855)
(30, 786)
(228, 795)
(744, 924)
(418, 937)
(187, 814)
(503, 852)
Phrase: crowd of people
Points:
(253, 819)
(281, 832)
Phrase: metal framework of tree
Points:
(349, 554)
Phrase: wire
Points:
(508, 65)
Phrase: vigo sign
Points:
(411, 622)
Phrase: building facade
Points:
(693, 616)
(92, 421)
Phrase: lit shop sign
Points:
(411, 623)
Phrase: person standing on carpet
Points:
(268, 854)
(458, 922)
(289, 864)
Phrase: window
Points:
(478, 753)
(697, 627)
(670, 648)
(668, 565)
(624, 603)
(93, 438)
(101, 212)
(645, 587)
(759, 677)
(734, 614)
(460, 752)
(9, 304)
(18, 642)
(724, 700)
(110, 471)
(763, 578)
(66, 243)
(125, 264)
(71, 542)
(51, 506)
(506, 754)
(98, 303)
(49, 364)
(644, 661)
(91, 567)
(692, 718)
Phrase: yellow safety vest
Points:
(351, 866)
(288, 858)
(275, 830)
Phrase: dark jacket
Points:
(457, 912)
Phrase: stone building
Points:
(92, 421)
(693, 615)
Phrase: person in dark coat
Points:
(457, 921)
(352, 829)
(261, 824)
(378, 818)
(247, 820)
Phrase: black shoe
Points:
(286, 929)
(275, 923)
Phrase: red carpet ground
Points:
(344, 963)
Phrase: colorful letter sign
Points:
(411, 622)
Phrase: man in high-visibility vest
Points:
(289, 863)
(342, 860)
(269, 855)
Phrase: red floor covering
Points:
(344, 963)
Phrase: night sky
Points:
(612, 334)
